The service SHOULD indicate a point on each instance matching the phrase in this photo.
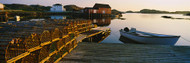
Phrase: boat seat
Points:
(133, 30)
(126, 29)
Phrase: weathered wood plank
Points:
(61, 57)
(18, 57)
(46, 43)
(130, 53)
(34, 49)
(43, 61)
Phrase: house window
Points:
(94, 21)
(103, 11)
(103, 20)
(95, 11)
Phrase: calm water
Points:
(151, 23)
(108, 51)
(144, 22)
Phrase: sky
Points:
(122, 5)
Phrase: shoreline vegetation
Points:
(170, 17)
(153, 11)
(73, 10)
(38, 10)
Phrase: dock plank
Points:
(93, 32)
(130, 53)
(81, 37)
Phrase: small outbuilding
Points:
(102, 8)
(98, 8)
(90, 10)
(1, 6)
(57, 8)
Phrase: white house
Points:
(57, 8)
(1, 6)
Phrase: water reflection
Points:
(97, 38)
(102, 22)
(151, 23)
(127, 41)
(29, 18)
(58, 17)
(106, 21)
(144, 22)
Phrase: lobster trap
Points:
(40, 41)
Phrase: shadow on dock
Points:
(125, 53)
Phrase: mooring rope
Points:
(185, 39)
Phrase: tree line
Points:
(26, 7)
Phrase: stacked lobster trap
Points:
(44, 41)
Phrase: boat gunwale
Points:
(134, 34)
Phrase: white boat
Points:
(149, 38)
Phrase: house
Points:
(1, 6)
(57, 8)
(98, 8)
(102, 8)
(90, 10)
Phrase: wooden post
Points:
(4, 16)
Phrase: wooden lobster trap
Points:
(45, 41)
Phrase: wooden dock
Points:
(95, 31)
(43, 41)
(127, 53)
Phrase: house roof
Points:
(88, 8)
(57, 5)
(97, 5)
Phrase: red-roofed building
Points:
(99, 9)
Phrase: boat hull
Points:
(151, 40)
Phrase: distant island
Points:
(129, 11)
(152, 11)
(116, 12)
(188, 14)
(159, 12)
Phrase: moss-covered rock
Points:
(116, 12)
